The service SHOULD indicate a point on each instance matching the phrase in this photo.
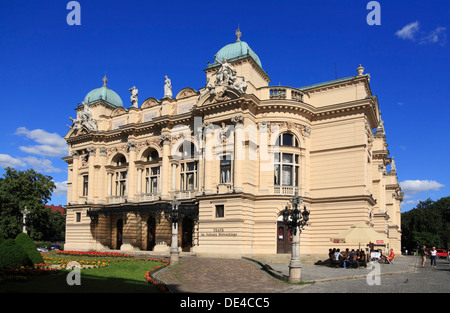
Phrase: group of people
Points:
(432, 254)
(348, 258)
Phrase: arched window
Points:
(152, 172)
(286, 164)
(120, 175)
(287, 139)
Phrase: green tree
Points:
(426, 224)
(24, 188)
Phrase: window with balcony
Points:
(151, 172)
(151, 180)
(286, 164)
(188, 167)
(286, 169)
(188, 173)
(225, 170)
(121, 183)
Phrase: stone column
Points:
(207, 157)
(165, 181)
(131, 172)
(109, 190)
(139, 180)
(239, 152)
(75, 178)
(91, 175)
(102, 191)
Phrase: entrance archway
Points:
(119, 234)
(187, 228)
(151, 233)
(284, 238)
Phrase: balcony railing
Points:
(117, 199)
(285, 190)
(148, 197)
(185, 194)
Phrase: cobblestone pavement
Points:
(214, 275)
(210, 275)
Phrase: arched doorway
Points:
(119, 234)
(151, 233)
(284, 238)
(187, 229)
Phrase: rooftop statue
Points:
(167, 88)
(227, 75)
(223, 73)
(134, 96)
(84, 120)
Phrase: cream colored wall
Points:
(338, 173)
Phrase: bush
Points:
(12, 255)
(28, 245)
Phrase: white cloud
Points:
(61, 188)
(415, 186)
(436, 36)
(412, 32)
(8, 161)
(50, 144)
(408, 31)
(41, 165)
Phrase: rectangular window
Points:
(121, 183)
(225, 170)
(85, 185)
(286, 169)
(188, 176)
(220, 210)
(151, 180)
(78, 217)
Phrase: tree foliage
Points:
(426, 224)
(20, 189)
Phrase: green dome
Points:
(237, 50)
(105, 94)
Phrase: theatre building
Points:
(233, 153)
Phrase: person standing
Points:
(433, 256)
(423, 254)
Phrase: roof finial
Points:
(105, 80)
(238, 34)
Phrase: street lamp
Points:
(174, 253)
(295, 221)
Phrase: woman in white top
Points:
(433, 256)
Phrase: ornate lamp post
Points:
(174, 253)
(295, 221)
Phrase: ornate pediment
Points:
(150, 102)
(118, 111)
(186, 93)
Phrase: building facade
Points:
(233, 153)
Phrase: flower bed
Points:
(94, 254)
(150, 279)
(86, 260)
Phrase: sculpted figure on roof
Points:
(224, 72)
(85, 120)
(167, 88)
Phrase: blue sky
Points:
(48, 66)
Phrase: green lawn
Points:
(124, 276)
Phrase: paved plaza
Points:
(216, 275)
